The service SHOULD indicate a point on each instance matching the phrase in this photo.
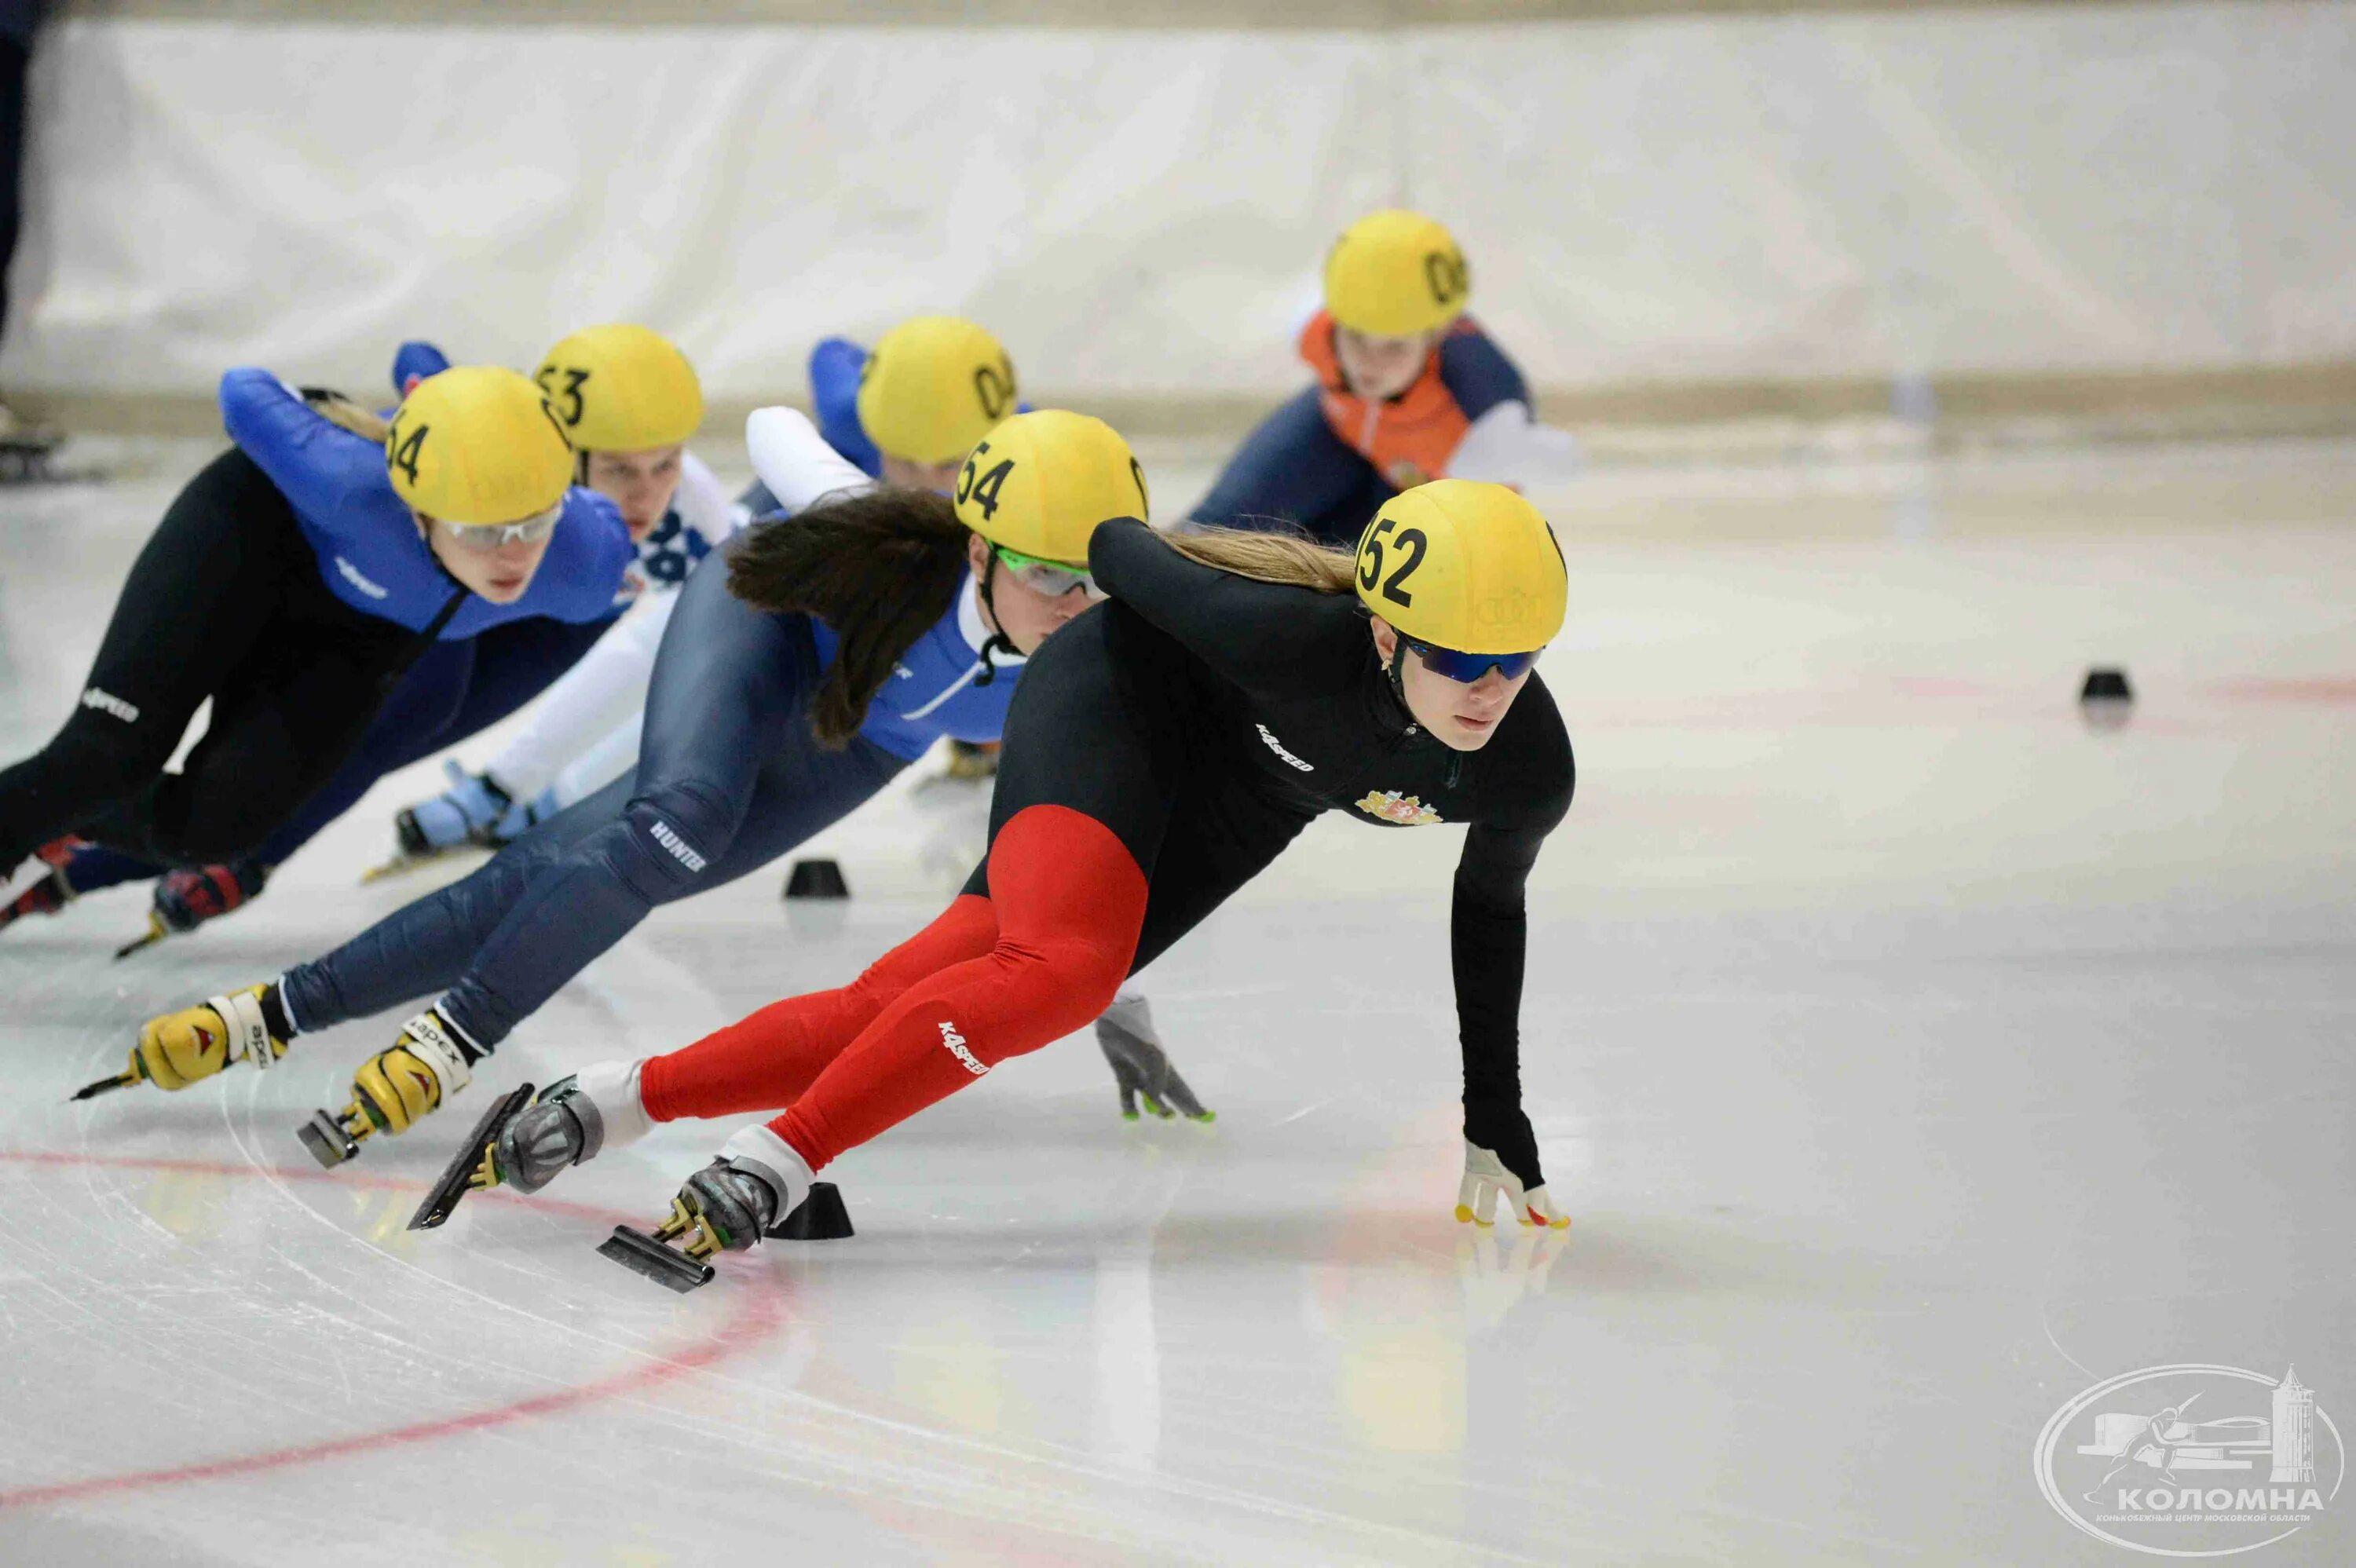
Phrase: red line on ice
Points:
(761, 1316)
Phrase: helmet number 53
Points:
(1410, 543)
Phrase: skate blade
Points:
(641, 1253)
(457, 1177)
(399, 865)
(326, 1138)
(156, 931)
(106, 1086)
(821, 1217)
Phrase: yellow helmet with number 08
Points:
(478, 444)
(1460, 566)
(932, 387)
(621, 387)
(1037, 485)
(1395, 274)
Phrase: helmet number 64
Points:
(1410, 543)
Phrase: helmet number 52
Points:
(1410, 543)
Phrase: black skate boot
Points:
(758, 1187)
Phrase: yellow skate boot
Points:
(178, 1049)
(394, 1089)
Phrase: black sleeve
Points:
(1489, 930)
(1264, 637)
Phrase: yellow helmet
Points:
(932, 387)
(1395, 274)
(1464, 565)
(478, 444)
(1038, 485)
(621, 388)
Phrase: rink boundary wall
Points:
(1706, 416)
(1251, 15)
(2130, 212)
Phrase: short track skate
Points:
(469, 1169)
(821, 1217)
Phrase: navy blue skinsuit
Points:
(730, 776)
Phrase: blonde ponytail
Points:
(340, 411)
(1268, 557)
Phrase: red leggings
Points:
(992, 977)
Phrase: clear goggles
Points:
(1051, 578)
(1467, 668)
(488, 537)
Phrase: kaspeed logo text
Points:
(956, 1042)
(107, 702)
(2193, 1460)
(1277, 747)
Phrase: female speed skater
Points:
(629, 399)
(934, 385)
(295, 582)
(1160, 753)
(835, 650)
(1408, 390)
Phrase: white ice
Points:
(1910, 1055)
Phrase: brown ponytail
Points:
(1268, 557)
(879, 568)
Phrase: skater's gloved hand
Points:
(1501, 1154)
(1125, 1034)
(468, 812)
(186, 900)
(414, 361)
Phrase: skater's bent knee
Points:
(1068, 980)
(675, 835)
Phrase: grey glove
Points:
(1125, 1033)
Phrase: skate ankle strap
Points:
(435, 1043)
(249, 1031)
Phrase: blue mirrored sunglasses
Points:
(1470, 668)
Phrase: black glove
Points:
(1125, 1033)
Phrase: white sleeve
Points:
(602, 763)
(1506, 446)
(794, 461)
(607, 687)
(606, 690)
(703, 503)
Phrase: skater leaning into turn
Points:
(936, 385)
(1161, 753)
(1408, 390)
(629, 399)
(294, 581)
(835, 649)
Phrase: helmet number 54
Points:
(982, 488)
(1410, 543)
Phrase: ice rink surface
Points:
(1911, 1057)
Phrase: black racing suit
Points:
(1204, 718)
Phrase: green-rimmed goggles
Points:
(1052, 578)
(488, 537)
(1466, 669)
